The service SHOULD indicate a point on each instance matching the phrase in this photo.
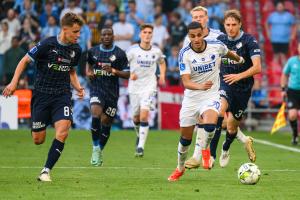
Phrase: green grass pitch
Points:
(125, 177)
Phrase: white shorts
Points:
(191, 109)
(144, 101)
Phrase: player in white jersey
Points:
(143, 59)
(199, 14)
(199, 65)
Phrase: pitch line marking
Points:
(279, 146)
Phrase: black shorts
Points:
(48, 108)
(109, 105)
(293, 97)
(237, 100)
(280, 47)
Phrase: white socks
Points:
(143, 134)
(241, 136)
(182, 155)
(198, 145)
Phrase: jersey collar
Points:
(107, 50)
(237, 38)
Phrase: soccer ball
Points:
(249, 174)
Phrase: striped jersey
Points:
(144, 64)
(106, 84)
(212, 34)
(203, 66)
(245, 46)
(54, 60)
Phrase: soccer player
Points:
(199, 14)
(290, 84)
(55, 59)
(105, 64)
(143, 60)
(237, 80)
(199, 64)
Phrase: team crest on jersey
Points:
(239, 45)
(153, 56)
(72, 54)
(112, 58)
(213, 57)
(181, 66)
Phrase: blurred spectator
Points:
(112, 13)
(135, 18)
(27, 9)
(145, 7)
(103, 6)
(94, 20)
(14, 25)
(5, 44)
(215, 11)
(183, 9)
(281, 30)
(48, 11)
(259, 95)
(123, 32)
(72, 7)
(85, 43)
(157, 11)
(51, 29)
(172, 63)
(28, 34)
(11, 59)
(160, 33)
(177, 29)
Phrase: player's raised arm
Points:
(75, 83)
(11, 87)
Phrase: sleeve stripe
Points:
(182, 52)
(31, 58)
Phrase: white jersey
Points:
(144, 64)
(204, 66)
(212, 35)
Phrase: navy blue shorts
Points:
(49, 108)
(237, 100)
(109, 105)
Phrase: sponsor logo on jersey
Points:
(64, 60)
(100, 72)
(256, 50)
(228, 61)
(145, 63)
(36, 125)
(204, 67)
(57, 67)
(95, 100)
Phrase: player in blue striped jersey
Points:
(105, 64)
(237, 80)
(55, 59)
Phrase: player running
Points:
(143, 60)
(237, 80)
(199, 64)
(55, 59)
(105, 64)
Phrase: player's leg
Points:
(135, 107)
(216, 138)
(183, 148)
(106, 122)
(210, 118)
(232, 128)
(96, 111)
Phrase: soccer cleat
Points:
(192, 163)
(250, 150)
(137, 142)
(224, 158)
(206, 162)
(139, 152)
(295, 141)
(44, 177)
(176, 175)
(96, 159)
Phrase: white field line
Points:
(279, 146)
(136, 168)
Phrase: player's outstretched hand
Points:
(9, 90)
(232, 78)
(80, 93)
(206, 85)
(133, 76)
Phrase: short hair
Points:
(107, 27)
(234, 14)
(69, 19)
(199, 8)
(143, 26)
(194, 25)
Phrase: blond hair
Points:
(199, 8)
